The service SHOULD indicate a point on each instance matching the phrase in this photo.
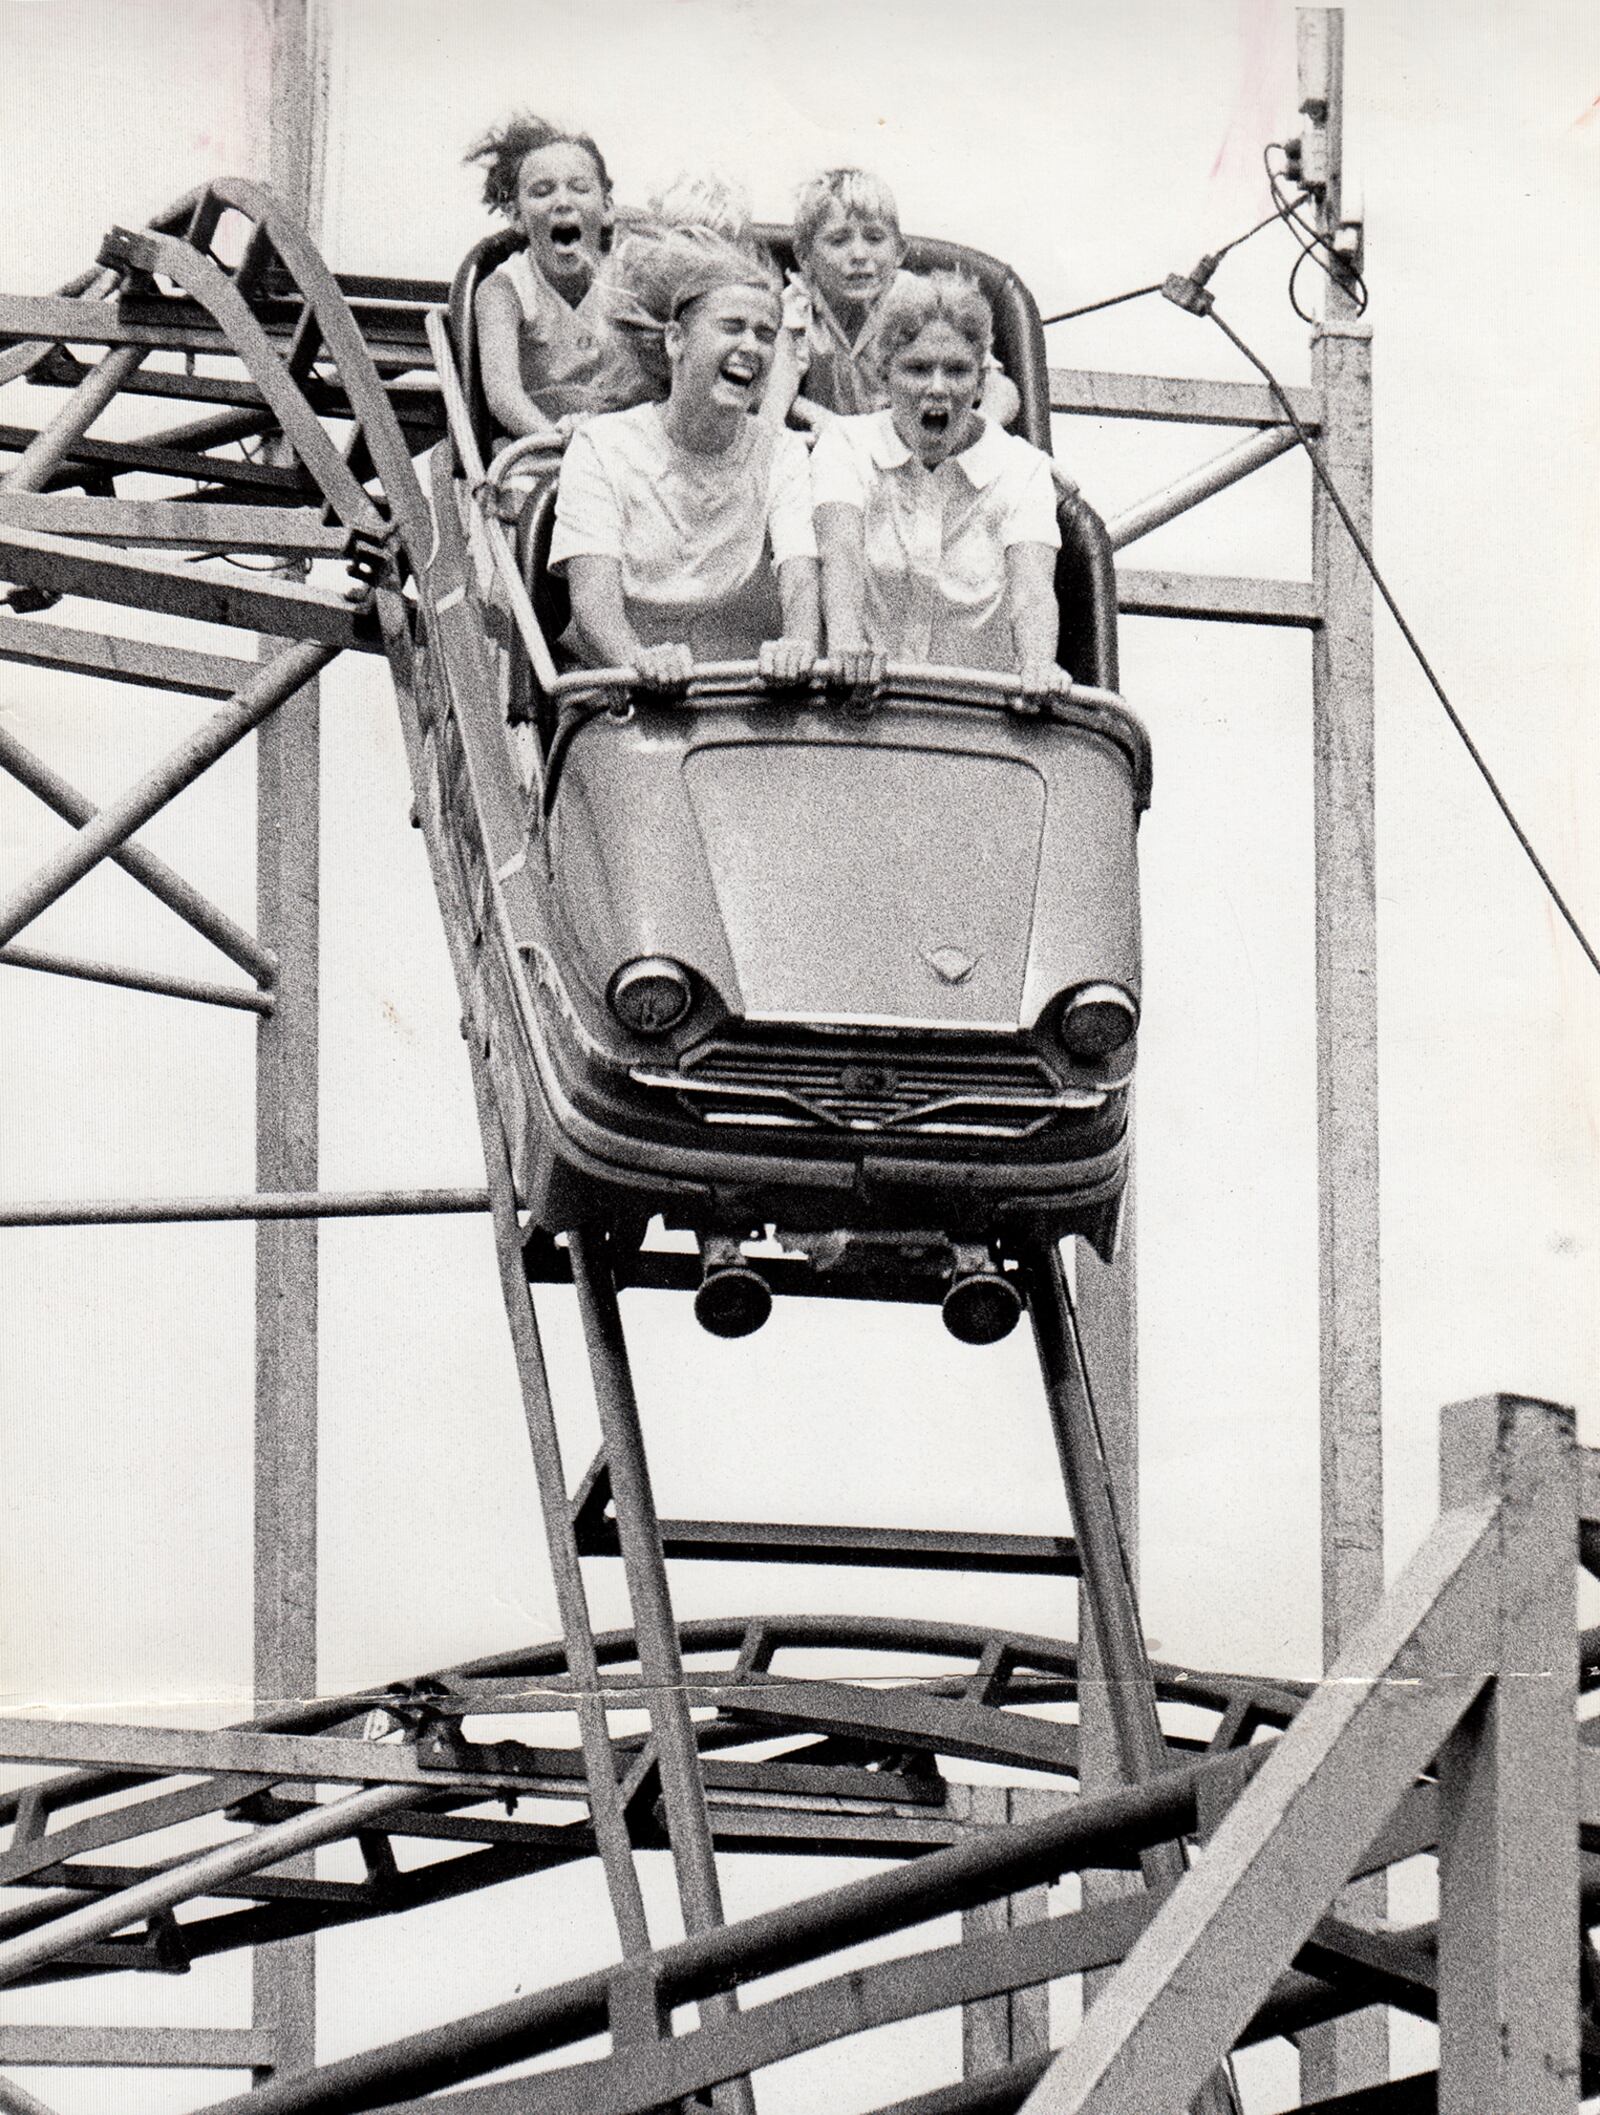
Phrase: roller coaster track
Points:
(747, 1748)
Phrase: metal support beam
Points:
(288, 909)
(677, 1756)
(259, 1205)
(1204, 483)
(1015, 2025)
(187, 1882)
(151, 873)
(32, 469)
(114, 824)
(87, 971)
(1108, 1322)
(1508, 1781)
(1127, 1706)
(288, 804)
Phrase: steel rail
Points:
(230, 1861)
(114, 824)
(1106, 1571)
(607, 1809)
(141, 865)
(676, 1751)
(986, 1865)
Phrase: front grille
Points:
(928, 1094)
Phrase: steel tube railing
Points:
(984, 685)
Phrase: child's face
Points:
(561, 208)
(721, 348)
(852, 259)
(934, 381)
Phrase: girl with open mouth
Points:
(937, 529)
(550, 354)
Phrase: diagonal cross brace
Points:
(1292, 1840)
(113, 825)
(144, 867)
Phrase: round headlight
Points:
(651, 995)
(1096, 1021)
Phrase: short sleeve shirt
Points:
(698, 537)
(936, 540)
(573, 359)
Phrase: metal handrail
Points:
(987, 685)
(586, 694)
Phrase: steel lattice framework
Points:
(1428, 1737)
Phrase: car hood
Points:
(871, 884)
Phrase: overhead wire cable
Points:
(1137, 293)
(1315, 246)
(1206, 306)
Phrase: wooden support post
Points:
(1015, 2025)
(287, 902)
(1354, 2052)
(288, 869)
(1508, 1781)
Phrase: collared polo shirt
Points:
(698, 537)
(936, 540)
(572, 358)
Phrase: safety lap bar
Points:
(984, 685)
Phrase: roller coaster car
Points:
(861, 975)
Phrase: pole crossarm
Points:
(1176, 399)
(114, 824)
(1219, 598)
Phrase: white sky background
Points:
(1095, 150)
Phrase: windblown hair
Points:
(502, 152)
(921, 298)
(857, 192)
(702, 198)
(659, 271)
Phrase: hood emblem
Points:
(949, 964)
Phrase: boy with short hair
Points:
(848, 249)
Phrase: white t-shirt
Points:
(936, 540)
(697, 536)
